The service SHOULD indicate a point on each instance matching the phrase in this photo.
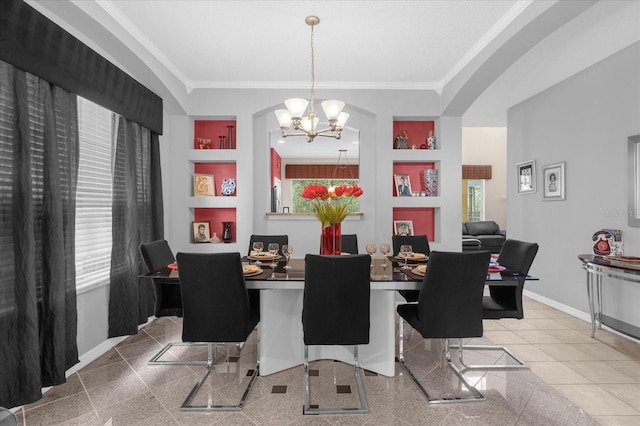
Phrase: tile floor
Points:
(573, 380)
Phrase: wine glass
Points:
(371, 249)
(385, 248)
(405, 251)
(273, 250)
(257, 247)
(287, 250)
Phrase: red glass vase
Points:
(330, 239)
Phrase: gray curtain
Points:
(38, 177)
(137, 217)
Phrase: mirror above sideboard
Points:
(321, 155)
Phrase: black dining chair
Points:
(217, 309)
(506, 301)
(266, 239)
(449, 307)
(156, 256)
(335, 311)
(349, 243)
(419, 244)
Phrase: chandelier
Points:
(293, 116)
(345, 166)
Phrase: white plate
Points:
(251, 270)
(269, 257)
(413, 257)
(420, 270)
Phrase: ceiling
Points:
(175, 47)
(358, 44)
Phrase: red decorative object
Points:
(330, 239)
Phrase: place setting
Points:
(251, 270)
(407, 255)
(271, 255)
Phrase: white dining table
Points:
(280, 335)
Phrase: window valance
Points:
(321, 171)
(476, 172)
(32, 42)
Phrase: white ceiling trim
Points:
(482, 44)
(343, 85)
(131, 28)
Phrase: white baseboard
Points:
(585, 316)
(96, 352)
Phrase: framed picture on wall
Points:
(403, 227)
(203, 185)
(526, 177)
(201, 232)
(403, 185)
(553, 178)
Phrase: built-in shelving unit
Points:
(213, 152)
(417, 166)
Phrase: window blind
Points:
(94, 195)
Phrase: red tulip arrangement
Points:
(331, 205)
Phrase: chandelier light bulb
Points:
(307, 126)
(284, 118)
(296, 107)
(332, 109)
(342, 119)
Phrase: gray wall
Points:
(584, 121)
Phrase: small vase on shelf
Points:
(227, 236)
(215, 238)
(431, 141)
(230, 137)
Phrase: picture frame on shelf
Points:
(526, 177)
(203, 185)
(201, 232)
(403, 227)
(553, 179)
(203, 143)
(403, 185)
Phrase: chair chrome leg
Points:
(209, 407)
(521, 365)
(477, 396)
(156, 357)
(364, 407)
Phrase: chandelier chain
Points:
(313, 72)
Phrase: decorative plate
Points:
(420, 270)
(416, 257)
(250, 270)
(228, 186)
